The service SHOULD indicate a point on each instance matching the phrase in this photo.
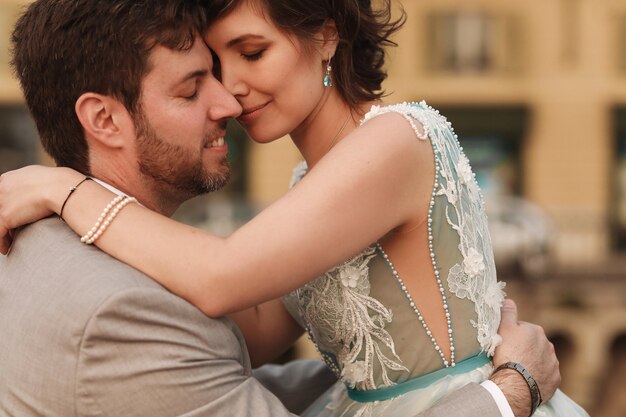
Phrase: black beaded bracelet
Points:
(535, 394)
(70, 194)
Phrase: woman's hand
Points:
(30, 194)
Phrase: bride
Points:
(380, 250)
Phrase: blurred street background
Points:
(536, 91)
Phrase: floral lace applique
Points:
(340, 313)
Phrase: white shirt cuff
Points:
(498, 396)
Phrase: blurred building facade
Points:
(536, 90)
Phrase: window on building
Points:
(491, 139)
(619, 207)
(474, 42)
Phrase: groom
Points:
(123, 90)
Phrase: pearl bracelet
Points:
(106, 218)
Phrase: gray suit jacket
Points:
(82, 334)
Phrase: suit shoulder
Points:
(53, 243)
(60, 278)
(165, 312)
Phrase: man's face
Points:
(182, 122)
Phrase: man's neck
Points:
(143, 192)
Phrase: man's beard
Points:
(181, 170)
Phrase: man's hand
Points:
(527, 344)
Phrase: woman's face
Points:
(277, 82)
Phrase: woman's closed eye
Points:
(253, 56)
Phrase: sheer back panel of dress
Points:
(358, 314)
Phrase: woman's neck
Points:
(330, 122)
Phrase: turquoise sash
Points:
(422, 381)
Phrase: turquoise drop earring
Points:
(328, 79)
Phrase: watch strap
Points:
(535, 394)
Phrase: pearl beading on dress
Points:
(433, 259)
(420, 317)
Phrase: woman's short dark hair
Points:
(64, 48)
(364, 33)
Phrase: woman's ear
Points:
(104, 119)
(329, 39)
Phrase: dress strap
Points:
(410, 111)
(423, 381)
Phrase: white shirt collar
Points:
(109, 187)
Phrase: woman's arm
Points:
(269, 331)
(371, 182)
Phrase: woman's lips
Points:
(251, 113)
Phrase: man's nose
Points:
(224, 105)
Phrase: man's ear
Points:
(104, 119)
(329, 39)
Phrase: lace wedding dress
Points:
(372, 334)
